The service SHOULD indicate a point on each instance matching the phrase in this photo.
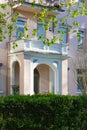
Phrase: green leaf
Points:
(26, 36)
(75, 13)
(14, 19)
(3, 6)
(26, 27)
(15, 45)
(41, 1)
(35, 32)
(75, 23)
(53, 40)
(78, 35)
(42, 36)
(60, 39)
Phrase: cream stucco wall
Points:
(65, 77)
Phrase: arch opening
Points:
(44, 77)
(15, 78)
(36, 81)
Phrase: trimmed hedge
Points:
(43, 112)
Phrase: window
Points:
(81, 0)
(80, 85)
(41, 31)
(81, 3)
(51, 27)
(63, 34)
(80, 36)
(20, 27)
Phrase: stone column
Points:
(57, 78)
(27, 76)
(56, 81)
(31, 77)
(59, 91)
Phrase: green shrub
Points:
(43, 112)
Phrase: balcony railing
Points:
(36, 1)
(31, 1)
(27, 7)
(38, 46)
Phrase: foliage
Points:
(15, 90)
(43, 112)
(72, 10)
(81, 72)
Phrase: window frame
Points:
(51, 27)
(80, 75)
(41, 23)
(81, 40)
(66, 34)
(81, 1)
(20, 26)
(1, 87)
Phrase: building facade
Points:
(34, 67)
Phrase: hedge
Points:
(43, 112)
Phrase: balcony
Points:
(36, 1)
(26, 45)
(44, 2)
(27, 7)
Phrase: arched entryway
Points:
(43, 79)
(15, 78)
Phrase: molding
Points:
(45, 55)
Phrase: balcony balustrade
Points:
(26, 45)
(30, 1)
(27, 7)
